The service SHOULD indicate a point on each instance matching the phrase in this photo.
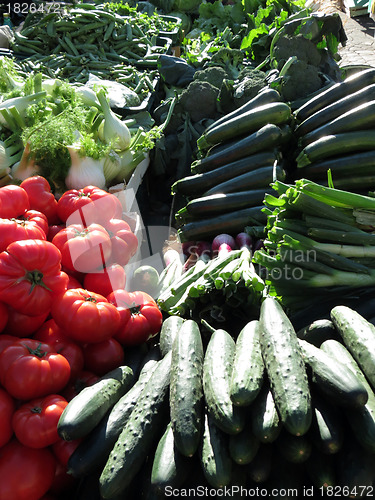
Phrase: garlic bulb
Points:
(84, 171)
(112, 130)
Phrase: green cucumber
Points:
(285, 367)
(276, 113)
(84, 411)
(214, 455)
(327, 426)
(321, 470)
(243, 446)
(169, 467)
(217, 368)
(358, 335)
(186, 391)
(197, 184)
(265, 420)
(333, 378)
(137, 437)
(93, 452)
(318, 331)
(295, 449)
(355, 471)
(168, 331)
(361, 420)
(248, 367)
(259, 469)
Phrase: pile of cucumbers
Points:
(262, 408)
(239, 156)
(336, 131)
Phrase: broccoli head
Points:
(250, 82)
(229, 59)
(199, 100)
(212, 74)
(303, 48)
(300, 80)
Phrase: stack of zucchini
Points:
(239, 156)
(336, 131)
(265, 408)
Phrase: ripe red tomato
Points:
(17, 230)
(53, 230)
(83, 249)
(23, 325)
(86, 317)
(104, 356)
(25, 473)
(37, 218)
(30, 276)
(7, 408)
(63, 450)
(14, 201)
(31, 369)
(73, 283)
(62, 482)
(143, 319)
(35, 422)
(55, 336)
(41, 198)
(89, 205)
(124, 242)
(4, 316)
(6, 340)
(106, 281)
(84, 379)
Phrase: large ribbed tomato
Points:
(41, 198)
(14, 201)
(18, 229)
(86, 317)
(124, 241)
(31, 276)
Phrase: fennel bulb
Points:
(20, 104)
(84, 171)
(26, 167)
(112, 130)
(112, 166)
(88, 96)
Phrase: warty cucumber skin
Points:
(217, 367)
(90, 405)
(168, 331)
(248, 367)
(243, 446)
(94, 451)
(169, 467)
(214, 455)
(285, 368)
(358, 335)
(361, 420)
(332, 377)
(186, 390)
(327, 426)
(137, 437)
(265, 419)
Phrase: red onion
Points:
(258, 245)
(223, 243)
(197, 248)
(243, 240)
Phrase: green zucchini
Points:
(327, 426)
(93, 452)
(219, 203)
(168, 332)
(285, 367)
(214, 455)
(335, 92)
(217, 367)
(295, 449)
(358, 335)
(361, 117)
(137, 437)
(336, 109)
(88, 407)
(197, 184)
(264, 417)
(265, 96)
(256, 179)
(243, 446)
(334, 145)
(231, 222)
(277, 113)
(333, 378)
(266, 138)
(248, 367)
(318, 331)
(169, 467)
(361, 420)
(186, 391)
